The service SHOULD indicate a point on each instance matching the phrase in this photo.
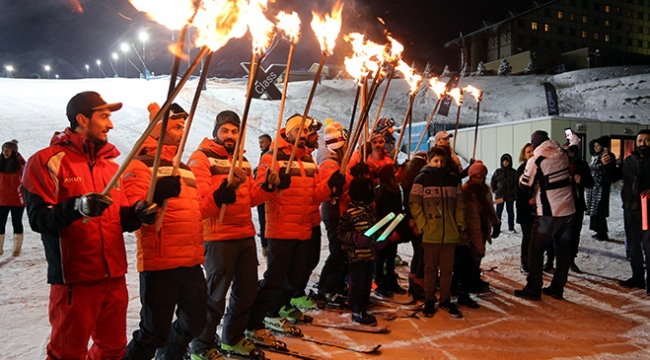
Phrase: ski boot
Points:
(208, 354)
(282, 326)
(363, 318)
(265, 338)
(244, 348)
(294, 315)
(305, 301)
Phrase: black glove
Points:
(285, 181)
(471, 162)
(224, 194)
(360, 169)
(166, 187)
(146, 212)
(336, 183)
(92, 204)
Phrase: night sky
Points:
(67, 34)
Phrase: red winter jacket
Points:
(70, 167)
(11, 193)
(291, 216)
(179, 243)
(211, 166)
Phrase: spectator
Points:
(598, 196)
(525, 208)
(11, 196)
(504, 186)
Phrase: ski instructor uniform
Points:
(86, 261)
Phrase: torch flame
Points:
(172, 14)
(395, 49)
(367, 57)
(457, 94)
(476, 93)
(327, 28)
(438, 88)
(260, 27)
(410, 76)
(290, 25)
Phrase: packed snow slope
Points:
(598, 319)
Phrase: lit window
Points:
(584, 34)
(547, 28)
(607, 23)
(607, 38)
(608, 9)
(560, 15)
(572, 17)
(595, 36)
(533, 25)
(584, 19)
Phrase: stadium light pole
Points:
(115, 58)
(56, 76)
(10, 69)
(99, 68)
(125, 49)
(47, 70)
(87, 71)
(144, 37)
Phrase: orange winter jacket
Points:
(291, 215)
(179, 242)
(211, 165)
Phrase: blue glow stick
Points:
(390, 228)
(379, 225)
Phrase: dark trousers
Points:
(464, 268)
(261, 217)
(385, 276)
(313, 257)
(232, 262)
(161, 292)
(575, 233)
(332, 277)
(526, 232)
(16, 218)
(598, 224)
(638, 246)
(511, 213)
(360, 285)
(547, 229)
(285, 265)
(417, 265)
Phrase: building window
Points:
(629, 13)
(560, 15)
(608, 9)
(547, 28)
(572, 32)
(619, 25)
(584, 19)
(595, 36)
(640, 30)
(597, 21)
(619, 40)
(638, 43)
(585, 4)
(560, 29)
(596, 6)
(521, 39)
(533, 25)
(640, 15)
(573, 2)
(607, 38)
(572, 17)
(560, 45)
(608, 23)
(547, 44)
(584, 34)
(547, 12)
(533, 41)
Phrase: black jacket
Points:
(635, 173)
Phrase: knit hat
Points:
(443, 135)
(538, 137)
(478, 169)
(334, 134)
(225, 117)
(362, 189)
(384, 124)
(176, 115)
(294, 122)
(13, 145)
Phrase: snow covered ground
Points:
(598, 319)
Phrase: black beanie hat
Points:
(361, 189)
(225, 117)
(13, 145)
(538, 137)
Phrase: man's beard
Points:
(229, 145)
(644, 150)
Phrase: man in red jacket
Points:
(86, 261)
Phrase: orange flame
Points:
(327, 28)
(438, 88)
(414, 80)
(290, 25)
(395, 49)
(457, 94)
(476, 93)
(260, 27)
(172, 14)
(367, 56)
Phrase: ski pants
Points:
(261, 217)
(16, 218)
(80, 311)
(285, 264)
(360, 285)
(548, 229)
(511, 213)
(638, 246)
(231, 262)
(313, 257)
(332, 277)
(181, 289)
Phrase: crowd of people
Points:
(196, 248)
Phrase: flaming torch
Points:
(394, 54)
(478, 95)
(457, 94)
(414, 80)
(327, 29)
(440, 89)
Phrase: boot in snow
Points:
(281, 325)
(209, 354)
(264, 337)
(244, 347)
(18, 244)
(293, 314)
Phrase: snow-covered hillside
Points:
(598, 319)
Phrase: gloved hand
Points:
(380, 245)
(224, 194)
(285, 181)
(336, 183)
(92, 204)
(166, 187)
(146, 212)
(394, 237)
(361, 241)
(414, 227)
(360, 169)
(272, 180)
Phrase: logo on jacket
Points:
(73, 179)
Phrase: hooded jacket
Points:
(547, 176)
(11, 193)
(290, 216)
(437, 205)
(479, 214)
(179, 243)
(504, 180)
(54, 177)
(211, 163)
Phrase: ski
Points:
(351, 327)
(408, 307)
(356, 348)
(291, 353)
(255, 355)
(396, 299)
